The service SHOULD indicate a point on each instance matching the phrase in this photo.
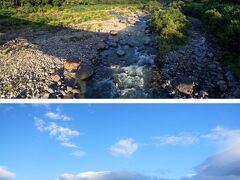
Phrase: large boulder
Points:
(185, 85)
(84, 71)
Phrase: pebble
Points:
(101, 46)
(222, 85)
(55, 78)
(120, 52)
(212, 66)
(113, 33)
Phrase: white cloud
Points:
(61, 133)
(78, 153)
(124, 147)
(223, 136)
(107, 175)
(6, 174)
(57, 116)
(225, 164)
(39, 123)
(45, 105)
(69, 145)
(175, 140)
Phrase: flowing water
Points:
(128, 75)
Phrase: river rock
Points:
(212, 66)
(113, 33)
(203, 94)
(147, 42)
(115, 39)
(75, 91)
(113, 44)
(50, 90)
(101, 46)
(222, 85)
(131, 43)
(84, 71)
(229, 76)
(70, 65)
(55, 78)
(147, 31)
(210, 54)
(120, 52)
(185, 85)
(122, 42)
(123, 20)
(45, 96)
(131, 20)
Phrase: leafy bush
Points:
(212, 19)
(6, 4)
(172, 27)
(152, 6)
(194, 9)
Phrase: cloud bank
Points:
(224, 165)
(107, 175)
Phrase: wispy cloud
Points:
(107, 175)
(6, 174)
(78, 153)
(6, 108)
(57, 116)
(124, 147)
(61, 133)
(44, 105)
(223, 136)
(69, 145)
(175, 139)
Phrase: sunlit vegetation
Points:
(222, 19)
(16, 14)
(13, 18)
(172, 27)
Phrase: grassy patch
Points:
(16, 18)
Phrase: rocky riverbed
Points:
(195, 70)
(117, 58)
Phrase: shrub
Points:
(213, 19)
(222, 19)
(6, 4)
(194, 9)
(152, 6)
(231, 36)
(172, 26)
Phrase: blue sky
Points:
(125, 141)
